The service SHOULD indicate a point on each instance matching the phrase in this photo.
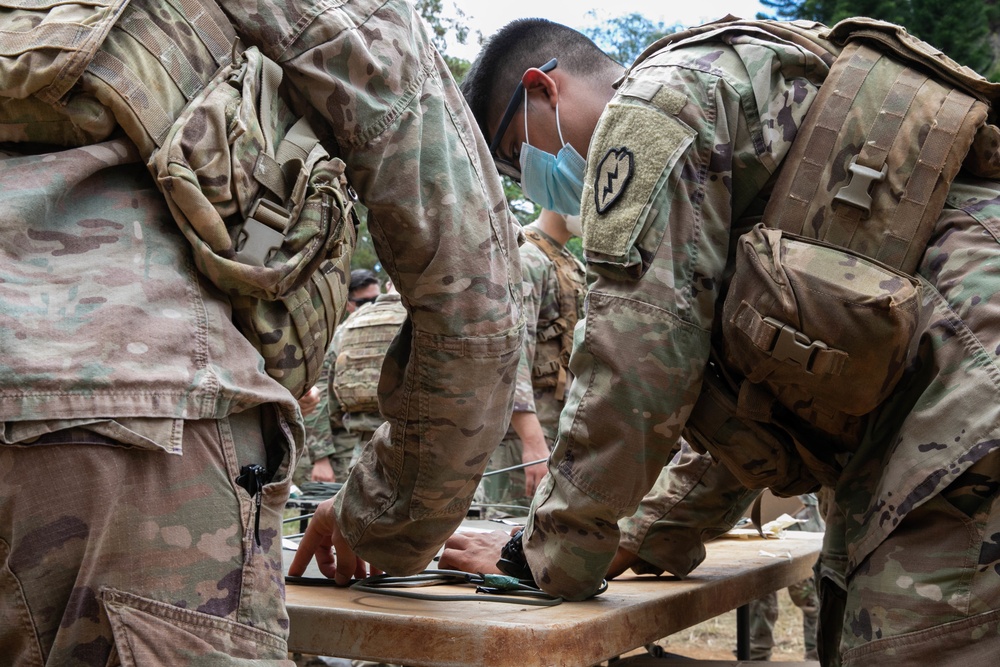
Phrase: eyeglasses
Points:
(505, 166)
(361, 302)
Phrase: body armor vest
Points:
(551, 363)
(803, 352)
(362, 345)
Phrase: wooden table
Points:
(633, 612)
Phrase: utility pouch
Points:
(759, 454)
(825, 329)
(267, 211)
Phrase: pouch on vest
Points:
(264, 207)
(759, 454)
(827, 330)
(826, 323)
(267, 213)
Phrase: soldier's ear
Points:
(536, 81)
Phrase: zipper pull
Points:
(252, 478)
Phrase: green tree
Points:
(364, 256)
(961, 28)
(625, 37)
(812, 10)
(444, 27)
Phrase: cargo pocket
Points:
(18, 639)
(147, 632)
(452, 410)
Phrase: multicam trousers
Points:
(110, 553)
(909, 604)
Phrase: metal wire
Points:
(517, 467)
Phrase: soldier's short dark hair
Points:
(361, 278)
(519, 46)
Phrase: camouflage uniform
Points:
(354, 426)
(128, 400)
(764, 611)
(538, 372)
(911, 554)
(323, 438)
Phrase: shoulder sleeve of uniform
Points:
(626, 173)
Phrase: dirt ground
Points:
(716, 639)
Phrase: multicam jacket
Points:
(103, 316)
(717, 118)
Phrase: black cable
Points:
(489, 587)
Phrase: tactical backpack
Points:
(823, 310)
(267, 211)
(546, 372)
(361, 346)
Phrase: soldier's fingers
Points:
(457, 541)
(316, 539)
(325, 561)
(304, 554)
(361, 569)
(347, 564)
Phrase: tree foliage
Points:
(961, 28)
(625, 37)
(444, 28)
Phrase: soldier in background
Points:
(364, 288)
(764, 610)
(356, 356)
(554, 287)
(329, 447)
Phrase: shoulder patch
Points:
(611, 176)
(644, 144)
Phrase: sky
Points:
(488, 16)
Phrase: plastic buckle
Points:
(856, 192)
(258, 240)
(794, 346)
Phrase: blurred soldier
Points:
(764, 610)
(152, 348)
(853, 340)
(329, 450)
(356, 355)
(364, 288)
(554, 285)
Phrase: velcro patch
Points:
(654, 141)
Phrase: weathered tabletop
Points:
(633, 612)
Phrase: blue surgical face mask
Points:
(552, 181)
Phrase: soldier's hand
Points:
(622, 561)
(474, 552)
(309, 402)
(534, 451)
(334, 556)
(322, 471)
(533, 448)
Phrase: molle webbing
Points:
(361, 349)
(873, 161)
(547, 372)
(149, 69)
